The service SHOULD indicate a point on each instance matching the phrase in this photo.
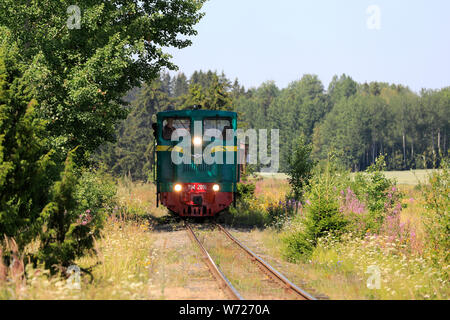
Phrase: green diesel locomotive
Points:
(197, 161)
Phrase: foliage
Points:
(75, 216)
(322, 217)
(437, 203)
(386, 119)
(96, 191)
(248, 211)
(371, 204)
(300, 168)
(213, 97)
(41, 198)
(80, 75)
(279, 214)
(27, 169)
(246, 191)
(379, 193)
(129, 264)
(133, 152)
(295, 112)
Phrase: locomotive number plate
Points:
(196, 187)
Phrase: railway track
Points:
(225, 284)
(266, 268)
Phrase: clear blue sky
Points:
(260, 40)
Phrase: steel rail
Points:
(214, 269)
(274, 273)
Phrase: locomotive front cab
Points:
(202, 179)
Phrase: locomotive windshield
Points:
(221, 124)
(171, 124)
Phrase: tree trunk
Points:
(404, 149)
(373, 152)
(445, 142)
(439, 141)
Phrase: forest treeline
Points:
(355, 121)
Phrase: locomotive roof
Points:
(197, 113)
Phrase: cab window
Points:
(181, 126)
(221, 124)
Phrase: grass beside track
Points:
(129, 265)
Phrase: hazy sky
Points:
(280, 40)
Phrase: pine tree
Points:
(27, 170)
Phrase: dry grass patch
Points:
(123, 266)
(138, 199)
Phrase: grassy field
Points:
(412, 177)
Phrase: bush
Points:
(96, 191)
(41, 197)
(300, 168)
(75, 215)
(248, 211)
(27, 167)
(279, 214)
(246, 191)
(437, 221)
(378, 193)
(297, 246)
(322, 217)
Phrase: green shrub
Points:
(378, 193)
(437, 221)
(27, 167)
(278, 214)
(246, 191)
(300, 168)
(96, 191)
(297, 246)
(322, 217)
(41, 197)
(248, 211)
(75, 215)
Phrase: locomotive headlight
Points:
(216, 187)
(177, 187)
(197, 141)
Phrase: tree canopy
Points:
(80, 75)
